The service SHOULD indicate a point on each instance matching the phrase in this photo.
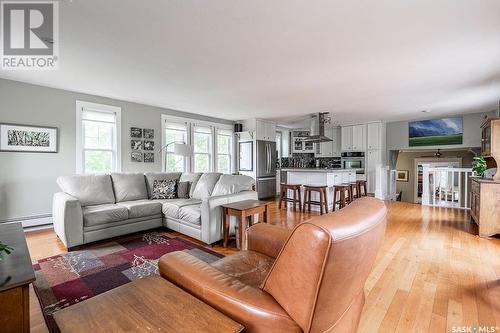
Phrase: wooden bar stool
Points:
(296, 199)
(341, 189)
(361, 185)
(323, 201)
(353, 191)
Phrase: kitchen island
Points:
(318, 176)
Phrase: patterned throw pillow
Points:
(183, 190)
(164, 189)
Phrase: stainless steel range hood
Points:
(318, 128)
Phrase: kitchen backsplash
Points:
(309, 161)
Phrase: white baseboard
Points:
(30, 221)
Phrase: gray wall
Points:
(397, 132)
(27, 180)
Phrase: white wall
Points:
(397, 133)
(27, 180)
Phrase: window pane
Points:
(97, 135)
(174, 163)
(172, 135)
(223, 144)
(98, 161)
(223, 164)
(201, 163)
(201, 142)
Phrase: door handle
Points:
(268, 158)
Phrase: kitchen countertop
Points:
(317, 170)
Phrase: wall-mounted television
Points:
(436, 132)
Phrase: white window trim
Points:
(80, 106)
(190, 122)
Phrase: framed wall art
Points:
(28, 138)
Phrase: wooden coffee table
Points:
(243, 209)
(151, 304)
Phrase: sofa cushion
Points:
(88, 189)
(101, 214)
(171, 207)
(152, 176)
(141, 208)
(191, 178)
(230, 184)
(129, 186)
(164, 189)
(190, 214)
(205, 185)
(183, 190)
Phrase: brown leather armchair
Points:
(309, 279)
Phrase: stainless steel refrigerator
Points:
(266, 169)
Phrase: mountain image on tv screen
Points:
(436, 132)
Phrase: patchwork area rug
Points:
(73, 277)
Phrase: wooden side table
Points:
(242, 210)
(16, 274)
(150, 304)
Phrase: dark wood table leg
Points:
(225, 227)
(243, 226)
(267, 215)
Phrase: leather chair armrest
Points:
(267, 239)
(243, 303)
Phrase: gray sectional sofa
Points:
(96, 207)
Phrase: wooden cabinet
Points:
(265, 130)
(346, 138)
(299, 145)
(354, 138)
(332, 148)
(373, 159)
(374, 138)
(359, 138)
(14, 290)
(485, 210)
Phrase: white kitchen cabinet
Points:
(374, 131)
(346, 138)
(354, 138)
(331, 148)
(299, 145)
(359, 138)
(373, 159)
(265, 130)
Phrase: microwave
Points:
(354, 161)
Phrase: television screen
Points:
(435, 132)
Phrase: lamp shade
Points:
(183, 149)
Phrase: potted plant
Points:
(479, 166)
(4, 248)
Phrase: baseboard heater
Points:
(30, 221)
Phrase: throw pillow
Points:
(183, 190)
(164, 189)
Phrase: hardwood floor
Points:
(432, 273)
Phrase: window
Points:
(175, 132)
(279, 144)
(202, 149)
(98, 138)
(224, 149)
(211, 143)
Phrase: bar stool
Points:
(361, 185)
(341, 189)
(353, 191)
(296, 199)
(323, 201)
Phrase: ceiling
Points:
(282, 59)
